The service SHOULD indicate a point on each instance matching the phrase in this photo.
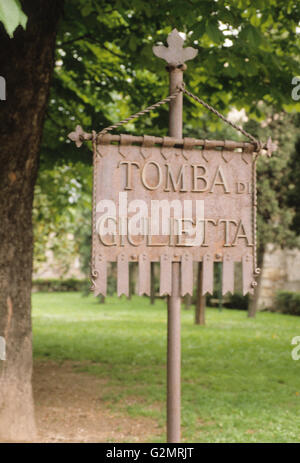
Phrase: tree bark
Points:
(201, 300)
(253, 300)
(27, 62)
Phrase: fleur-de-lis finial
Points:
(79, 136)
(175, 55)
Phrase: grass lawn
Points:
(239, 382)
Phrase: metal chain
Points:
(213, 110)
(141, 113)
(256, 270)
(172, 97)
(258, 147)
(93, 270)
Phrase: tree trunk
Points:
(201, 300)
(253, 300)
(27, 62)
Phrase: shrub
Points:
(231, 301)
(287, 302)
(237, 301)
(53, 284)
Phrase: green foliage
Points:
(277, 180)
(239, 382)
(232, 301)
(12, 16)
(105, 68)
(62, 214)
(294, 185)
(238, 301)
(112, 281)
(287, 302)
(58, 285)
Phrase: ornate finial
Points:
(271, 147)
(79, 136)
(175, 55)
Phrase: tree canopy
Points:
(105, 68)
(248, 53)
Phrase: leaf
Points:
(132, 43)
(86, 10)
(199, 30)
(12, 16)
(253, 35)
(213, 31)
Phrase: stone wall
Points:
(281, 271)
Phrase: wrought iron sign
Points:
(166, 200)
(175, 201)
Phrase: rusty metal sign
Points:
(175, 201)
(168, 200)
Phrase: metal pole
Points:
(174, 301)
(175, 56)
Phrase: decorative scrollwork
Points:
(94, 277)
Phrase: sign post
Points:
(149, 195)
(175, 59)
(174, 301)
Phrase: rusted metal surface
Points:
(144, 275)
(174, 358)
(123, 275)
(225, 188)
(187, 274)
(165, 275)
(168, 147)
(175, 54)
(221, 178)
(228, 274)
(147, 144)
(99, 276)
(125, 145)
(148, 169)
(174, 300)
(207, 274)
(79, 136)
(207, 190)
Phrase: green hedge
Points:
(230, 301)
(52, 284)
(287, 302)
(233, 301)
